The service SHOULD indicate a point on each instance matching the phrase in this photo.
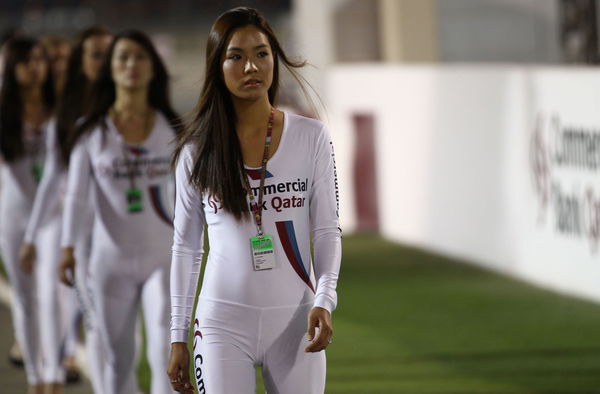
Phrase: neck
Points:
(251, 115)
(87, 88)
(59, 85)
(131, 101)
(32, 96)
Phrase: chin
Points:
(134, 85)
(252, 96)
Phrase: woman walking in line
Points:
(26, 103)
(123, 153)
(58, 49)
(84, 64)
(264, 183)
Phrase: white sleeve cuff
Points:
(179, 335)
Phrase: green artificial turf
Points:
(413, 322)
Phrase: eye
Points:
(234, 57)
(263, 54)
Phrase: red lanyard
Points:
(256, 208)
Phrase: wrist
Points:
(68, 251)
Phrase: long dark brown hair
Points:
(18, 50)
(218, 167)
(103, 93)
(75, 94)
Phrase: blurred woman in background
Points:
(26, 104)
(123, 152)
(83, 67)
(59, 51)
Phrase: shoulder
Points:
(50, 128)
(51, 123)
(304, 124)
(163, 122)
(187, 154)
(93, 133)
(304, 128)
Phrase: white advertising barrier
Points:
(492, 164)
(560, 208)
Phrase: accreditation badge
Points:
(37, 170)
(263, 252)
(134, 200)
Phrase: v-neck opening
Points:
(281, 142)
(115, 129)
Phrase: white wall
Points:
(454, 163)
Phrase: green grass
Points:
(413, 322)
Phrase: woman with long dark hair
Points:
(122, 151)
(264, 183)
(58, 49)
(26, 104)
(84, 64)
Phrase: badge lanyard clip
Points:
(261, 246)
(133, 195)
(256, 207)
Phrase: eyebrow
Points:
(241, 50)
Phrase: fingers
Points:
(321, 318)
(178, 370)
(180, 380)
(27, 257)
(26, 265)
(322, 340)
(184, 379)
(66, 274)
(312, 324)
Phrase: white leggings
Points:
(118, 289)
(93, 344)
(37, 316)
(231, 339)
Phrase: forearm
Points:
(185, 271)
(327, 246)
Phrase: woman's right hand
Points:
(27, 257)
(179, 368)
(67, 267)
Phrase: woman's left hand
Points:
(27, 257)
(321, 318)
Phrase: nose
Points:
(250, 67)
(131, 62)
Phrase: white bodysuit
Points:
(130, 250)
(35, 297)
(48, 208)
(246, 317)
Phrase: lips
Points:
(252, 82)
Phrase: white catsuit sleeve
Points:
(76, 196)
(325, 226)
(188, 247)
(48, 194)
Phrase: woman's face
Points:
(59, 58)
(248, 64)
(94, 50)
(32, 72)
(131, 65)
